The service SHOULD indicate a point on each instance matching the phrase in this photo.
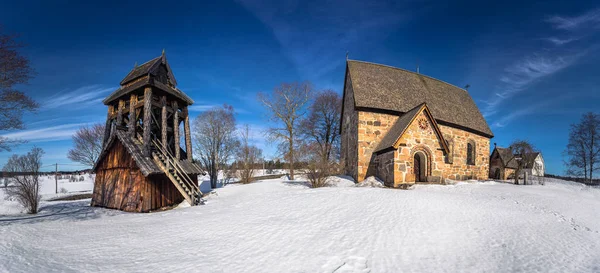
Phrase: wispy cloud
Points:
(559, 42)
(315, 37)
(202, 107)
(519, 76)
(209, 106)
(522, 74)
(52, 133)
(524, 111)
(590, 18)
(259, 138)
(80, 97)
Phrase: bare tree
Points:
(247, 155)
(519, 150)
(287, 106)
(214, 139)
(26, 186)
(14, 70)
(318, 168)
(583, 149)
(87, 144)
(322, 124)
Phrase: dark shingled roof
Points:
(530, 159)
(141, 70)
(150, 67)
(398, 129)
(388, 88)
(146, 164)
(124, 90)
(507, 157)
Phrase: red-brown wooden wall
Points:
(121, 185)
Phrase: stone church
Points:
(404, 127)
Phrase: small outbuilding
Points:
(503, 164)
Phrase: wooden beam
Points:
(188, 136)
(140, 104)
(163, 116)
(147, 119)
(107, 127)
(120, 112)
(159, 105)
(176, 129)
(132, 118)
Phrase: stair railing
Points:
(177, 167)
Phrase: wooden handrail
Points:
(178, 167)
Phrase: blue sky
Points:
(533, 67)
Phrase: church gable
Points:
(416, 125)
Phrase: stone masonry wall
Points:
(459, 169)
(372, 127)
(414, 140)
(386, 167)
(349, 137)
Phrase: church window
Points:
(470, 153)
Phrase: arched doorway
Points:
(420, 167)
(497, 174)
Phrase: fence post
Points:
(56, 178)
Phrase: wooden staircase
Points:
(175, 172)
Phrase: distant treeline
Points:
(12, 174)
(574, 179)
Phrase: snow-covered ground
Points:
(283, 226)
(48, 191)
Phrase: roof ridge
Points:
(150, 60)
(406, 70)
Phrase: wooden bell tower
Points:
(149, 105)
(142, 166)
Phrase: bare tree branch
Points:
(321, 126)
(214, 139)
(26, 186)
(14, 69)
(247, 155)
(287, 106)
(87, 145)
(583, 149)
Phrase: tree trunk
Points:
(213, 175)
(592, 159)
(291, 158)
(517, 171)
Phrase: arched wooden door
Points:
(419, 168)
(497, 174)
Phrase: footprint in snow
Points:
(351, 264)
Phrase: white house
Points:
(534, 164)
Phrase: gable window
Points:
(470, 153)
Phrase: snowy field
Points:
(281, 226)
(48, 191)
